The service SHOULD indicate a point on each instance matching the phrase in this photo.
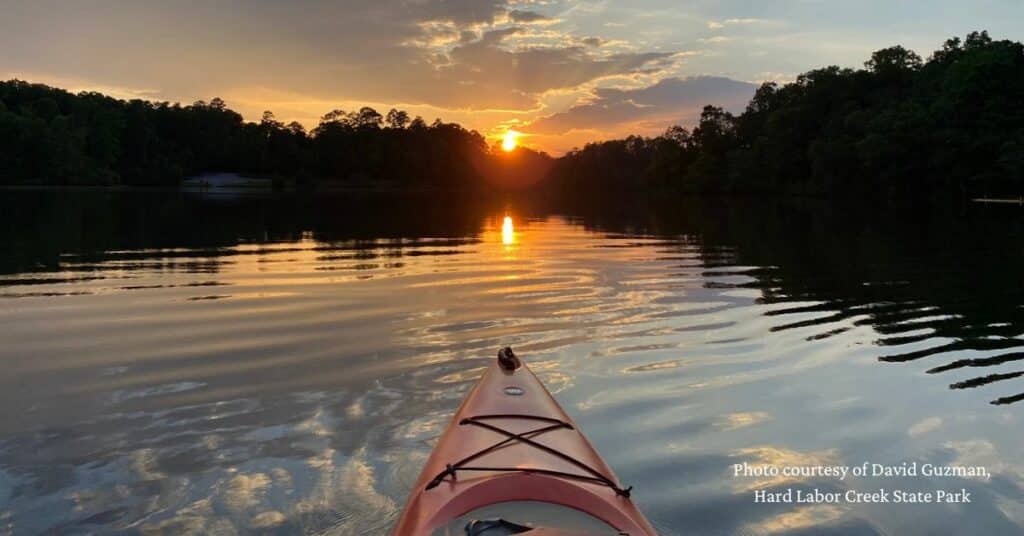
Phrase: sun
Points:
(510, 140)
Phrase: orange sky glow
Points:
(561, 72)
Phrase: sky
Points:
(563, 72)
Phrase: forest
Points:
(901, 127)
(949, 126)
(51, 136)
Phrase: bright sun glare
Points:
(509, 141)
(507, 231)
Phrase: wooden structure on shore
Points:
(1010, 201)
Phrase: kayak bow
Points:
(511, 451)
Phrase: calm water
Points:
(220, 364)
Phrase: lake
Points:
(222, 363)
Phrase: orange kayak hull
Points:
(511, 403)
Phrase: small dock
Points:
(1008, 201)
(225, 182)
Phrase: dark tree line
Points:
(950, 126)
(52, 136)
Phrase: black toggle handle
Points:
(507, 360)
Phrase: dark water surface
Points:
(174, 362)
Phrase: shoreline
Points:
(218, 189)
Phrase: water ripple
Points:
(295, 380)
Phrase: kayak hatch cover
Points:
(510, 443)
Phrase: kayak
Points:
(512, 462)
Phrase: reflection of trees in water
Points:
(47, 230)
(912, 276)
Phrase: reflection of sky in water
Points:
(298, 386)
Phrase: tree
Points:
(367, 118)
(950, 50)
(269, 120)
(977, 40)
(50, 135)
(899, 129)
(893, 59)
(715, 129)
(397, 119)
(333, 116)
(418, 124)
(678, 135)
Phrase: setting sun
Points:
(510, 140)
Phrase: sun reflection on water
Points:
(299, 385)
(508, 232)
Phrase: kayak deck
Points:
(511, 441)
(531, 513)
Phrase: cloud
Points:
(743, 21)
(432, 55)
(479, 62)
(490, 70)
(494, 37)
(526, 17)
(452, 54)
(718, 25)
(735, 421)
(671, 100)
(456, 11)
(924, 426)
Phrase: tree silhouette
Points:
(901, 127)
(397, 118)
(50, 136)
(948, 127)
(893, 59)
